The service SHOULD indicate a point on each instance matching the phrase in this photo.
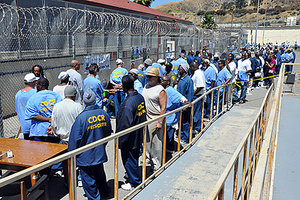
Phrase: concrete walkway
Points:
(195, 173)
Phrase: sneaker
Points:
(58, 173)
(79, 183)
(127, 187)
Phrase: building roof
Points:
(129, 6)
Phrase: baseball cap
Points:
(29, 78)
(148, 61)
(135, 71)
(119, 61)
(63, 75)
(70, 91)
(160, 61)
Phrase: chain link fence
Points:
(51, 33)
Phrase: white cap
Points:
(148, 61)
(29, 78)
(206, 60)
(119, 61)
(160, 61)
(135, 71)
(63, 75)
(172, 57)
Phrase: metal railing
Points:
(217, 109)
(256, 150)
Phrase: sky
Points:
(159, 2)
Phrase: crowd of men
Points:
(78, 112)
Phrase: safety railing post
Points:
(223, 100)
(231, 99)
(116, 185)
(164, 142)
(235, 182)
(179, 130)
(211, 104)
(191, 123)
(244, 170)
(250, 163)
(72, 177)
(144, 153)
(202, 114)
(218, 101)
(221, 193)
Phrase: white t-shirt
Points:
(245, 65)
(60, 89)
(63, 116)
(232, 67)
(199, 81)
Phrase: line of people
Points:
(73, 112)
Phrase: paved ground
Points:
(194, 174)
(287, 174)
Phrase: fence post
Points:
(157, 38)
(1, 120)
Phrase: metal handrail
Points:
(71, 156)
(234, 159)
(261, 138)
(262, 182)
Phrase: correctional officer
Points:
(186, 88)
(131, 112)
(21, 100)
(39, 110)
(95, 84)
(116, 80)
(91, 125)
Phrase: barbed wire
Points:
(26, 22)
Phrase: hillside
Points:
(238, 11)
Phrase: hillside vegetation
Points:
(238, 11)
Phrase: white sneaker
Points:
(79, 183)
(127, 186)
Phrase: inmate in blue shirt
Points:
(158, 66)
(41, 103)
(138, 86)
(222, 77)
(173, 102)
(186, 87)
(175, 66)
(142, 77)
(95, 85)
(210, 77)
(117, 75)
(91, 125)
(21, 101)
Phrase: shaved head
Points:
(75, 65)
(165, 81)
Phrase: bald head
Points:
(193, 67)
(75, 65)
(165, 81)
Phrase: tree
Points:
(208, 21)
(144, 2)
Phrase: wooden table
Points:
(28, 153)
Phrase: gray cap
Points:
(70, 91)
(89, 97)
(148, 61)
(185, 67)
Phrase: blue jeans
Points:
(170, 138)
(244, 91)
(235, 92)
(197, 114)
(185, 125)
(130, 159)
(289, 68)
(118, 99)
(208, 105)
